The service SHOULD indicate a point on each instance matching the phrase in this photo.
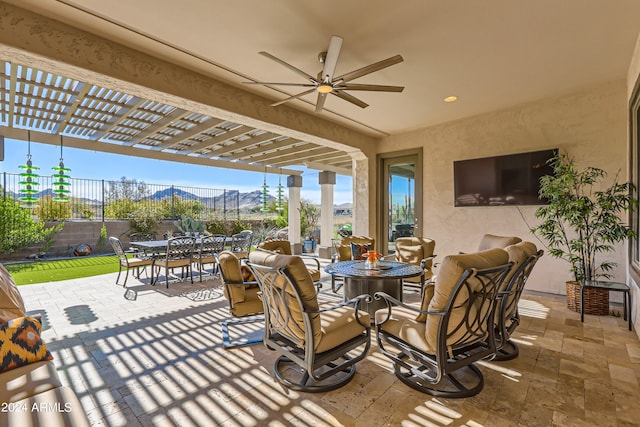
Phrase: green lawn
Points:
(26, 273)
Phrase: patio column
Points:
(294, 183)
(327, 181)
(360, 212)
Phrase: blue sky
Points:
(98, 165)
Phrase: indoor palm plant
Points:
(583, 221)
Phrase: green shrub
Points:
(144, 218)
(120, 209)
(50, 210)
(18, 229)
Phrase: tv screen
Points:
(513, 179)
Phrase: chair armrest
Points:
(391, 301)
(315, 260)
(424, 260)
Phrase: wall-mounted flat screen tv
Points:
(512, 179)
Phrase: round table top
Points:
(385, 270)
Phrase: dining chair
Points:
(129, 262)
(241, 243)
(142, 236)
(179, 254)
(207, 249)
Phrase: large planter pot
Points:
(309, 246)
(596, 301)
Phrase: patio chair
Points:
(179, 254)
(318, 346)
(241, 243)
(244, 301)
(524, 256)
(433, 346)
(491, 241)
(350, 248)
(284, 247)
(127, 263)
(208, 247)
(417, 251)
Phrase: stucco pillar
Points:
(361, 206)
(294, 183)
(327, 181)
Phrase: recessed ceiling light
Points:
(451, 99)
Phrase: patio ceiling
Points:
(98, 118)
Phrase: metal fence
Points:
(108, 200)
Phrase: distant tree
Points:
(19, 230)
(131, 189)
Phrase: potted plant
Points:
(309, 217)
(581, 224)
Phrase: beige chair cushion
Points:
(413, 250)
(339, 326)
(230, 267)
(252, 304)
(403, 324)
(277, 245)
(449, 274)
(299, 275)
(490, 241)
(518, 254)
(27, 380)
(11, 303)
(343, 249)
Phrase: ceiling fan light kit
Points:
(326, 83)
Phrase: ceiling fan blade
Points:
(289, 66)
(380, 88)
(306, 92)
(281, 84)
(331, 59)
(352, 99)
(322, 97)
(370, 69)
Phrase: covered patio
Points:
(144, 88)
(146, 356)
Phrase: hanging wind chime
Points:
(28, 180)
(280, 192)
(265, 193)
(61, 180)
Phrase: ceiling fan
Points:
(325, 83)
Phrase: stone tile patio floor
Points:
(146, 356)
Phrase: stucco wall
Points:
(632, 80)
(589, 126)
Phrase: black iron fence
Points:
(94, 199)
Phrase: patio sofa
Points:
(31, 393)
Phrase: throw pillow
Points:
(358, 250)
(21, 344)
(247, 276)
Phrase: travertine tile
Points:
(158, 361)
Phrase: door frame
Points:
(382, 198)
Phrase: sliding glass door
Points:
(401, 198)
